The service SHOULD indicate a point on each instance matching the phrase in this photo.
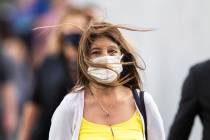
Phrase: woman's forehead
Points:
(101, 42)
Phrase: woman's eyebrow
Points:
(114, 47)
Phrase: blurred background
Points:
(180, 40)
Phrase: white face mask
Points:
(104, 75)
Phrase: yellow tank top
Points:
(131, 129)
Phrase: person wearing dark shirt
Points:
(195, 101)
(52, 83)
(55, 77)
(8, 100)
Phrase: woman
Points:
(101, 106)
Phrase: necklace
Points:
(107, 113)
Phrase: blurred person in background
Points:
(50, 16)
(8, 100)
(24, 15)
(19, 64)
(55, 75)
(195, 101)
(21, 14)
(18, 74)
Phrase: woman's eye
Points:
(95, 53)
(112, 52)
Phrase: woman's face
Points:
(103, 46)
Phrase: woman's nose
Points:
(104, 53)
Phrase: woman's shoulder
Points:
(69, 103)
(64, 116)
(147, 96)
(72, 99)
(149, 100)
(68, 106)
(154, 119)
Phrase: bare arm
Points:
(10, 108)
(29, 117)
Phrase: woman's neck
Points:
(108, 91)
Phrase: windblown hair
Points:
(129, 76)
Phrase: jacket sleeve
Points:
(60, 124)
(154, 120)
(187, 111)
